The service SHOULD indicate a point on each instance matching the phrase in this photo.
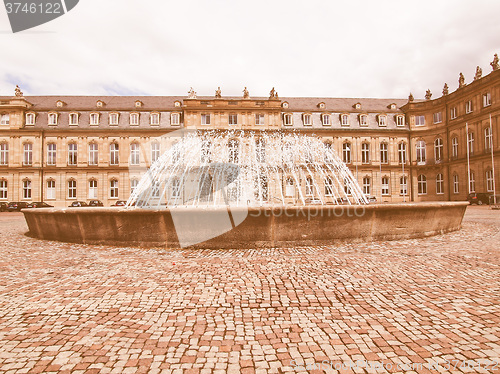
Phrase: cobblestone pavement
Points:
(425, 305)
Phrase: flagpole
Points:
(492, 163)
(403, 161)
(468, 156)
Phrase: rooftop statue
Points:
(411, 98)
(18, 91)
(495, 63)
(218, 93)
(191, 94)
(479, 73)
(246, 94)
(428, 95)
(273, 94)
(461, 80)
(445, 89)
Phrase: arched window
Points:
(53, 118)
(325, 119)
(134, 119)
(454, 147)
(439, 184)
(113, 119)
(73, 119)
(4, 153)
(94, 119)
(363, 120)
(287, 119)
(438, 149)
(30, 119)
(422, 184)
(176, 119)
(307, 119)
(27, 154)
(344, 120)
(154, 119)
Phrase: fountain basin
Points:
(267, 226)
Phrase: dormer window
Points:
(400, 120)
(30, 119)
(100, 103)
(357, 106)
(138, 104)
(175, 119)
(363, 120)
(73, 119)
(382, 120)
(287, 119)
(344, 119)
(53, 118)
(307, 120)
(322, 105)
(134, 119)
(177, 104)
(284, 105)
(392, 106)
(325, 119)
(154, 119)
(60, 104)
(113, 119)
(94, 119)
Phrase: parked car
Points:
(78, 204)
(313, 201)
(342, 200)
(95, 203)
(479, 198)
(39, 204)
(3, 206)
(120, 203)
(371, 199)
(16, 206)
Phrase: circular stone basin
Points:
(268, 226)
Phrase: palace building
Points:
(59, 149)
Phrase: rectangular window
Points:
(30, 119)
(419, 120)
(72, 189)
(400, 121)
(51, 153)
(4, 153)
(72, 154)
(454, 147)
(439, 184)
(154, 119)
(472, 182)
(233, 119)
(488, 139)
(468, 106)
(402, 153)
(456, 184)
(92, 189)
(113, 119)
(51, 189)
(307, 120)
(363, 120)
(4, 119)
(134, 154)
(470, 142)
(205, 119)
(287, 119)
(382, 120)
(421, 152)
(403, 185)
(259, 119)
(346, 153)
(27, 189)
(3, 189)
(93, 154)
(384, 153)
(486, 99)
(113, 189)
(489, 181)
(155, 151)
(52, 119)
(94, 119)
(28, 154)
(326, 119)
(73, 119)
(367, 186)
(385, 186)
(114, 154)
(344, 120)
(176, 119)
(453, 113)
(438, 117)
(365, 153)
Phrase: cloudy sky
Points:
(303, 48)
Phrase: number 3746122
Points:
(33, 8)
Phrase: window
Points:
(419, 120)
(384, 153)
(328, 186)
(233, 119)
(328, 152)
(205, 151)
(4, 153)
(113, 119)
(468, 106)
(51, 154)
(50, 193)
(176, 188)
(175, 119)
(454, 147)
(472, 182)
(438, 150)
(385, 186)
(30, 119)
(400, 120)
(94, 119)
(52, 118)
(347, 186)
(307, 120)
(365, 153)
(113, 189)
(289, 188)
(382, 120)
(233, 147)
(325, 119)
(155, 191)
(422, 184)
(27, 154)
(438, 117)
(135, 156)
(367, 185)
(73, 119)
(205, 119)
(403, 185)
(287, 119)
(155, 151)
(309, 187)
(72, 154)
(134, 119)
(439, 184)
(420, 151)
(93, 154)
(486, 99)
(260, 150)
(456, 184)
(453, 113)
(92, 189)
(402, 153)
(72, 189)
(363, 120)
(489, 180)
(344, 120)
(26, 189)
(488, 139)
(154, 119)
(259, 119)
(346, 153)
(3, 189)
(114, 154)
(133, 185)
(4, 119)
(470, 142)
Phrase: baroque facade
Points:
(59, 149)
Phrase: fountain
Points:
(243, 189)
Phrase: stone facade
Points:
(60, 149)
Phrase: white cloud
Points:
(310, 48)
